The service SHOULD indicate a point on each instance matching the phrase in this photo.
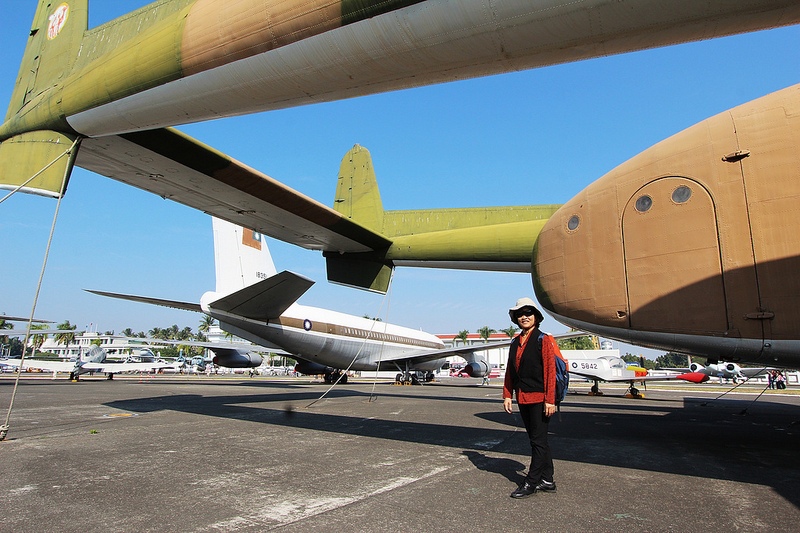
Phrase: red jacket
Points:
(549, 352)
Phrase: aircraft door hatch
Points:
(679, 273)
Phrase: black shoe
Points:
(545, 486)
(526, 489)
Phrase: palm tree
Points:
(510, 331)
(206, 324)
(485, 332)
(38, 339)
(65, 337)
(462, 336)
(5, 325)
(128, 332)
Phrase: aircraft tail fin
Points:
(358, 198)
(53, 44)
(241, 257)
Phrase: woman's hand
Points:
(507, 405)
(549, 409)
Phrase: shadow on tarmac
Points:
(724, 439)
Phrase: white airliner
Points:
(255, 302)
(93, 361)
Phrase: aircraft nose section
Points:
(576, 264)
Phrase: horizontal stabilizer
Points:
(175, 304)
(266, 299)
(47, 155)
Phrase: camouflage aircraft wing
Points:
(177, 167)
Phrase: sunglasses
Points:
(525, 311)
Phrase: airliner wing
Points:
(259, 348)
(113, 368)
(185, 306)
(21, 332)
(266, 299)
(461, 351)
(49, 366)
(177, 167)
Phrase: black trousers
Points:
(536, 424)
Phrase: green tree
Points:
(485, 332)
(37, 339)
(206, 324)
(462, 336)
(577, 343)
(672, 360)
(510, 331)
(4, 324)
(66, 337)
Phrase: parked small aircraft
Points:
(255, 302)
(611, 369)
(93, 361)
(697, 373)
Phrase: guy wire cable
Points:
(358, 352)
(71, 151)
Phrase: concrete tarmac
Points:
(204, 453)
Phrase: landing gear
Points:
(633, 392)
(334, 376)
(411, 378)
(595, 390)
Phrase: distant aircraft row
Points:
(688, 246)
(255, 302)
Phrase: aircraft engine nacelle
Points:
(312, 369)
(694, 367)
(477, 367)
(232, 358)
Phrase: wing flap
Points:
(177, 167)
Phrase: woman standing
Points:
(531, 375)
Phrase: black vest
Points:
(530, 376)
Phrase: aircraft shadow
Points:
(730, 441)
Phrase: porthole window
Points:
(644, 203)
(573, 222)
(681, 194)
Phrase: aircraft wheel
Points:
(344, 379)
(398, 378)
(595, 389)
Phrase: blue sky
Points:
(531, 137)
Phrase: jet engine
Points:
(477, 367)
(313, 369)
(233, 358)
(694, 367)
